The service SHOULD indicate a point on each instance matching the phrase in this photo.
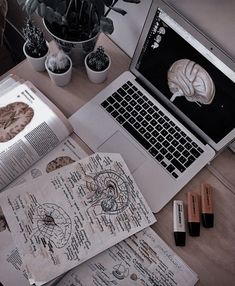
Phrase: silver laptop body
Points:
(179, 102)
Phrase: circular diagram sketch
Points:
(14, 117)
(187, 78)
(54, 224)
(111, 192)
(58, 163)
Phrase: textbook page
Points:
(30, 127)
(142, 259)
(12, 270)
(73, 214)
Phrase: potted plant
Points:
(35, 48)
(97, 64)
(59, 68)
(74, 24)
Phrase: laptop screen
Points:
(189, 77)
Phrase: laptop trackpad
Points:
(118, 143)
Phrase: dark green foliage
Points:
(36, 43)
(73, 20)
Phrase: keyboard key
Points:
(195, 152)
(105, 104)
(159, 157)
(148, 117)
(137, 136)
(131, 120)
(114, 113)
(117, 97)
(130, 91)
(153, 151)
(124, 103)
(126, 115)
(152, 140)
(169, 156)
(170, 168)
(110, 99)
(140, 100)
(164, 164)
(121, 91)
(143, 112)
(144, 123)
(175, 175)
(125, 86)
(150, 128)
(178, 165)
(139, 118)
(137, 125)
(147, 135)
(110, 108)
(142, 130)
(120, 119)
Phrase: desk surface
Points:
(212, 255)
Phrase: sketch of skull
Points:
(188, 78)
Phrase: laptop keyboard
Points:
(160, 136)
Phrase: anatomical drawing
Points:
(14, 117)
(189, 79)
(58, 163)
(109, 192)
(53, 224)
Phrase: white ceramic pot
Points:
(75, 50)
(97, 76)
(60, 79)
(38, 64)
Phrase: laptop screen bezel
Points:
(212, 48)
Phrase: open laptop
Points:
(171, 113)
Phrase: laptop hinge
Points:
(140, 82)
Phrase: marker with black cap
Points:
(193, 214)
(179, 223)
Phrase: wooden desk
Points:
(212, 255)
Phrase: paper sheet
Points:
(143, 259)
(71, 215)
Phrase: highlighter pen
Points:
(207, 205)
(179, 223)
(193, 214)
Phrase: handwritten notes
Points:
(68, 216)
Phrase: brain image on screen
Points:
(187, 78)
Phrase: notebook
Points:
(171, 112)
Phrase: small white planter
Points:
(60, 79)
(38, 64)
(97, 76)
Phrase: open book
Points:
(89, 213)
(30, 127)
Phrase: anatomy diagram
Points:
(53, 224)
(109, 192)
(189, 79)
(14, 117)
(58, 163)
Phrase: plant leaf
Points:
(106, 25)
(118, 10)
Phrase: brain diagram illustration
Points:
(189, 79)
(53, 224)
(58, 163)
(14, 117)
(109, 192)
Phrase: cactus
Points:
(58, 63)
(36, 43)
(98, 60)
